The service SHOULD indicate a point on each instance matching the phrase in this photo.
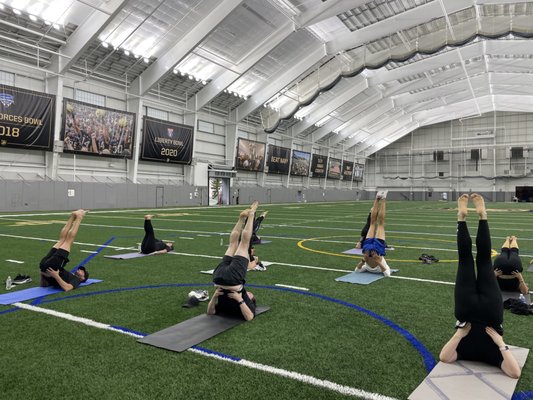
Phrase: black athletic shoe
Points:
(21, 279)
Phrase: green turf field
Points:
(321, 335)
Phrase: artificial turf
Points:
(327, 332)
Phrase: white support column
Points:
(54, 85)
(134, 104)
(191, 118)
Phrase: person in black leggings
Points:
(151, 245)
(508, 268)
(257, 224)
(364, 231)
(478, 302)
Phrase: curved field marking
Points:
(429, 361)
(317, 239)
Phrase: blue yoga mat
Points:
(127, 256)
(34, 292)
(362, 278)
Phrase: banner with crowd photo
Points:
(167, 142)
(318, 166)
(278, 159)
(347, 170)
(358, 171)
(301, 161)
(26, 119)
(250, 155)
(93, 130)
(334, 170)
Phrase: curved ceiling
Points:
(353, 75)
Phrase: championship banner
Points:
(92, 130)
(278, 159)
(334, 171)
(347, 170)
(318, 166)
(300, 163)
(26, 119)
(250, 155)
(358, 171)
(167, 142)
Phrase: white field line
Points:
(291, 287)
(219, 257)
(15, 261)
(88, 251)
(310, 380)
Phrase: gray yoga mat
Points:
(127, 256)
(469, 380)
(193, 331)
(362, 278)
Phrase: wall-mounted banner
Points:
(301, 161)
(347, 170)
(26, 119)
(278, 159)
(334, 170)
(250, 155)
(358, 171)
(99, 131)
(318, 166)
(165, 141)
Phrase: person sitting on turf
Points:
(478, 302)
(151, 245)
(230, 297)
(255, 264)
(374, 245)
(52, 266)
(508, 268)
(257, 224)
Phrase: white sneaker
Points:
(9, 283)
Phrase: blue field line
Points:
(428, 358)
(92, 255)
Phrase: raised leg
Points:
(71, 234)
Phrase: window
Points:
(155, 113)
(474, 154)
(88, 97)
(207, 127)
(7, 78)
(517, 152)
(438, 155)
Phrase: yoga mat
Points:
(515, 295)
(469, 380)
(530, 269)
(127, 256)
(359, 252)
(362, 278)
(34, 292)
(193, 331)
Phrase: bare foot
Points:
(462, 207)
(254, 206)
(479, 203)
(148, 216)
(244, 214)
(264, 214)
(80, 213)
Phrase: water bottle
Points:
(522, 298)
(9, 283)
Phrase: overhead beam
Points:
(391, 25)
(171, 57)
(223, 81)
(285, 79)
(325, 10)
(85, 35)
(356, 85)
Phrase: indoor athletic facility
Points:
(292, 199)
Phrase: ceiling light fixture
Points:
(16, 12)
(33, 18)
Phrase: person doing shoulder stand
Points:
(478, 302)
